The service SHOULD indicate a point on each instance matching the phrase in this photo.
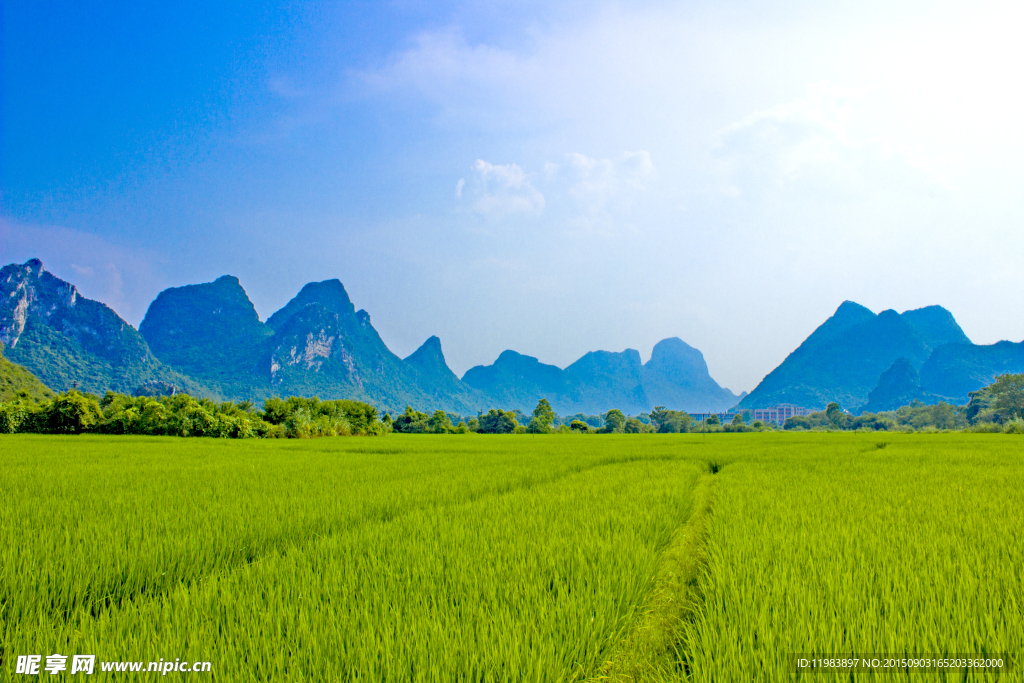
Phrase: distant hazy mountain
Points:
(956, 369)
(64, 338)
(842, 360)
(15, 379)
(602, 380)
(436, 379)
(936, 325)
(676, 377)
(518, 381)
(898, 386)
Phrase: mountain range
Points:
(676, 376)
(868, 361)
(208, 340)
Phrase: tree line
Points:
(544, 420)
(74, 412)
(998, 407)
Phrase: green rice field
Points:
(513, 558)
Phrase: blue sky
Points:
(553, 179)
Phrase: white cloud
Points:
(617, 66)
(904, 184)
(805, 148)
(599, 180)
(504, 189)
(589, 193)
(605, 190)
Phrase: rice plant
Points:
(512, 558)
(486, 559)
(833, 547)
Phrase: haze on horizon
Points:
(549, 179)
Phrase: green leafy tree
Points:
(543, 418)
(871, 421)
(659, 416)
(670, 421)
(186, 416)
(835, 415)
(440, 423)
(614, 422)
(1009, 396)
(72, 413)
(980, 408)
(579, 426)
(410, 422)
(737, 420)
(593, 421)
(635, 426)
(498, 421)
(799, 422)
(275, 410)
(21, 414)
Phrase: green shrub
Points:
(498, 422)
(71, 413)
(1014, 426)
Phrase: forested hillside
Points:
(67, 340)
(15, 380)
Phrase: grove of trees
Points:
(182, 415)
(998, 407)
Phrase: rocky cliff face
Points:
(315, 341)
(29, 294)
(66, 339)
(322, 346)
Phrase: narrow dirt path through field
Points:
(649, 650)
